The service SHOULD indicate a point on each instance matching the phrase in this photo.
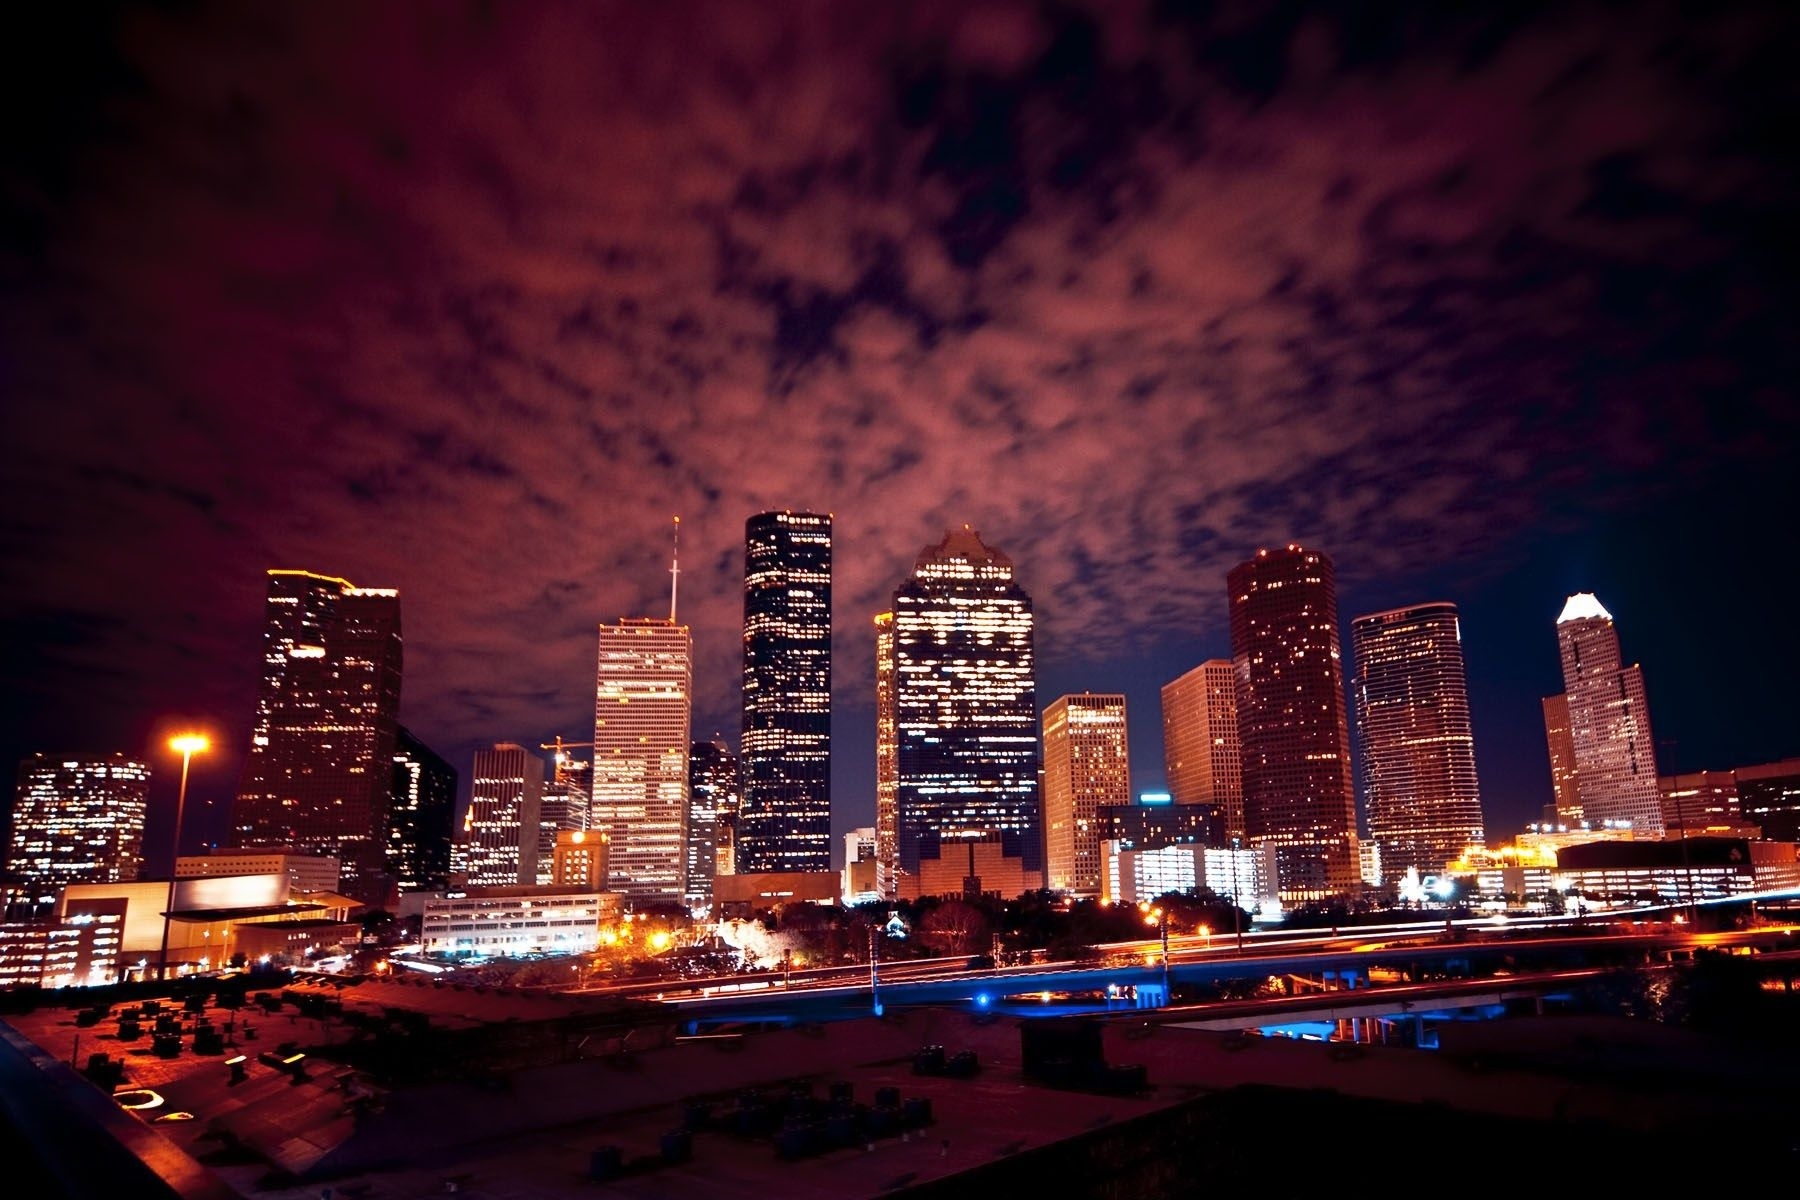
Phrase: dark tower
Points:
(1292, 722)
(423, 816)
(784, 823)
(319, 775)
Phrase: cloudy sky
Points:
(470, 299)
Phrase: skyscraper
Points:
(784, 823)
(965, 705)
(642, 714)
(1609, 720)
(1418, 750)
(319, 775)
(887, 763)
(713, 800)
(424, 816)
(1292, 721)
(564, 809)
(500, 833)
(76, 820)
(1201, 752)
(1565, 784)
(1087, 766)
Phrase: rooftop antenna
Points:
(675, 570)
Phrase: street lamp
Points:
(895, 927)
(187, 745)
(1237, 903)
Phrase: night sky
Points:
(1489, 303)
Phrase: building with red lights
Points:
(1292, 722)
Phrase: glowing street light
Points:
(187, 745)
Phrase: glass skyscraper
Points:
(1201, 754)
(1418, 750)
(887, 763)
(1087, 767)
(1609, 720)
(423, 816)
(643, 710)
(76, 820)
(500, 833)
(784, 823)
(965, 705)
(714, 796)
(1292, 721)
(319, 776)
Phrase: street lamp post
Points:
(895, 927)
(187, 745)
(1162, 917)
(1237, 902)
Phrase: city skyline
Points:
(1491, 307)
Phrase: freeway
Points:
(1328, 962)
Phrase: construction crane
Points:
(562, 773)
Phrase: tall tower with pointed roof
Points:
(643, 714)
(1609, 720)
(964, 681)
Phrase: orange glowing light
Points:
(190, 743)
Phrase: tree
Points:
(957, 927)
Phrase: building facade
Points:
(511, 921)
(1609, 720)
(1769, 798)
(713, 801)
(423, 820)
(578, 861)
(887, 762)
(76, 820)
(499, 842)
(1201, 751)
(1418, 748)
(1701, 802)
(319, 775)
(1243, 877)
(563, 809)
(1292, 720)
(860, 874)
(965, 705)
(1087, 766)
(1565, 789)
(1153, 826)
(305, 872)
(643, 712)
(785, 822)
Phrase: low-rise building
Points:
(496, 922)
(80, 949)
(1245, 876)
(1679, 871)
(971, 863)
(305, 872)
(742, 894)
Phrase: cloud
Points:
(469, 301)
